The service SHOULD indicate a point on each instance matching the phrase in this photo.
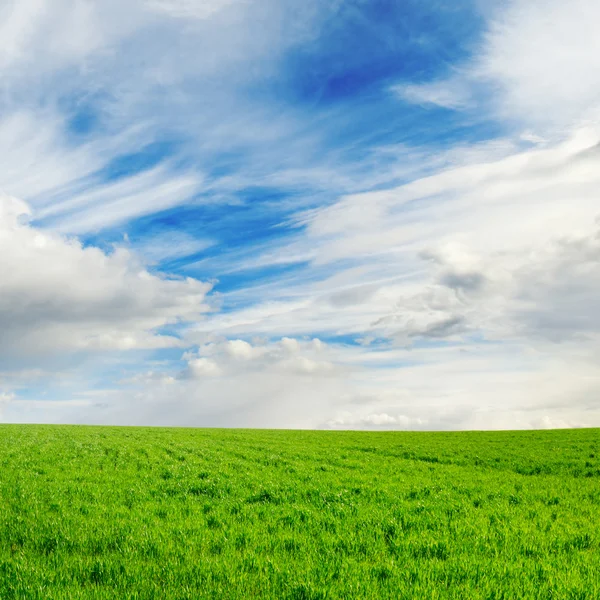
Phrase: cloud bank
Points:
(58, 296)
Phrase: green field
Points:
(98, 512)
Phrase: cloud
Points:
(543, 59)
(479, 386)
(349, 420)
(58, 296)
(118, 201)
(444, 94)
(286, 383)
(165, 247)
(536, 66)
(5, 399)
(557, 290)
(288, 355)
(543, 293)
(38, 158)
(197, 9)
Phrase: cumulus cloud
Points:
(288, 355)
(546, 292)
(285, 383)
(348, 420)
(57, 295)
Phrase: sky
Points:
(329, 214)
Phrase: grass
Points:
(98, 512)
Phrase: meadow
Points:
(104, 512)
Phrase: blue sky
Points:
(335, 214)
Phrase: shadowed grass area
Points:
(102, 512)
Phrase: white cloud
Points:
(544, 59)
(288, 355)
(267, 384)
(114, 202)
(203, 367)
(5, 399)
(198, 9)
(56, 295)
(464, 387)
(545, 293)
(536, 67)
(348, 420)
(37, 158)
(168, 246)
(445, 94)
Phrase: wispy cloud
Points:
(445, 94)
(115, 202)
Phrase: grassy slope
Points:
(181, 513)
